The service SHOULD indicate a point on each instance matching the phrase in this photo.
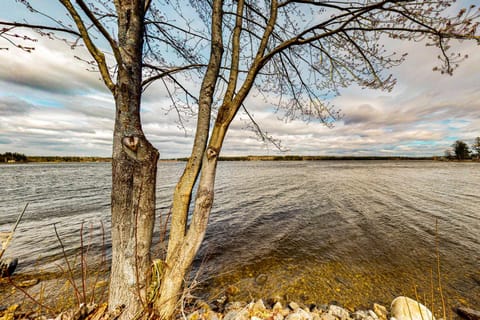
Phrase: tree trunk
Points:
(134, 169)
(177, 268)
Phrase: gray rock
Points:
(360, 315)
(468, 313)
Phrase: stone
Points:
(360, 315)
(277, 307)
(380, 311)
(278, 316)
(299, 314)
(236, 305)
(373, 315)
(28, 283)
(294, 306)
(404, 308)
(237, 315)
(259, 307)
(338, 312)
(261, 279)
(468, 313)
(7, 267)
(327, 316)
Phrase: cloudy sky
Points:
(51, 104)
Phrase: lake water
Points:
(354, 232)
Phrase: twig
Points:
(83, 265)
(71, 278)
(444, 309)
(29, 296)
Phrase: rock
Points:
(338, 312)
(237, 315)
(299, 314)
(404, 308)
(28, 283)
(261, 279)
(259, 307)
(7, 267)
(360, 315)
(373, 315)
(380, 311)
(237, 305)
(277, 307)
(294, 306)
(294, 316)
(468, 313)
(327, 316)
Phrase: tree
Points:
(301, 51)
(476, 147)
(134, 158)
(461, 150)
(448, 154)
(272, 49)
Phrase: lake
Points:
(354, 232)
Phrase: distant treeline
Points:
(314, 158)
(14, 157)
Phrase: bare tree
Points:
(300, 51)
(135, 46)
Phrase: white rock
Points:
(338, 312)
(294, 306)
(299, 315)
(372, 314)
(327, 316)
(404, 308)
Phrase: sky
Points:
(51, 104)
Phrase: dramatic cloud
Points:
(53, 104)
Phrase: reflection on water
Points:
(354, 232)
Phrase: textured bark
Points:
(183, 245)
(134, 168)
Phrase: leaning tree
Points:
(299, 52)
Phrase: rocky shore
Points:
(402, 308)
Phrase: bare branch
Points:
(92, 48)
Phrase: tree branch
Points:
(94, 51)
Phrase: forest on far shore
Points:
(460, 150)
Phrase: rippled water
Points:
(351, 231)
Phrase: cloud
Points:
(51, 105)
